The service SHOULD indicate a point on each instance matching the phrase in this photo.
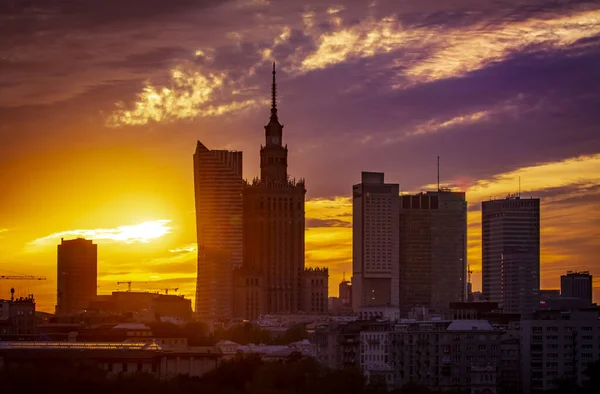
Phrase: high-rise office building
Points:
(345, 293)
(273, 277)
(577, 285)
(433, 250)
(511, 253)
(218, 192)
(375, 242)
(77, 275)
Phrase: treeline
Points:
(245, 333)
(241, 375)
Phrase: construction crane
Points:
(22, 277)
(128, 283)
(469, 273)
(19, 277)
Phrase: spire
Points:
(274, 95)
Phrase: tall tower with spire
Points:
(273, 156)
(270, 280)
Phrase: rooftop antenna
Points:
(519, 186)
(274, 95)
(438, 173)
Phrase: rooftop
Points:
(82, 345)
(470, 325)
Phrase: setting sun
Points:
(143, 232)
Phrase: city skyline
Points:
(81, 165)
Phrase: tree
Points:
(592, 373)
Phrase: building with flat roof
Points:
(375, 242)
(17, 318)
(162, 361)
(577, 285)
(440, 354)
(218, 194)
(433, 250)
(162, 305)
(558, 344)
(77, 273)
(511, 253)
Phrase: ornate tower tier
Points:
(273, 227)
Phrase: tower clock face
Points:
(275, 140)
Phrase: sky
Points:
(102, 101)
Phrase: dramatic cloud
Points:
(101, 111)
(428, 53)
(143, 232)
(188, 97)
(463, 51)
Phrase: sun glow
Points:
(143, 232)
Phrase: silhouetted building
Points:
(218, 192)
(249, 293)
(558, 345)
(577, 285)
(334, 305)
(77, 272)
(345, 294)
(374, 242)
(136, 356)
(546, 294)
(17, 318)
(472, 310)
(273, 227)
(433, 250)
(162, 305)
(511, 253)
(315, 290)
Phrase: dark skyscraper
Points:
(577, 285)
(218, 192)
(77, 273)
(511, 253)
(271, 280)
(433, 250)
(374, 242)
(345, 294)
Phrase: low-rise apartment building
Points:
(558, 345)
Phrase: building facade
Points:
(577, 285)
(17, 317)
(447, 354)
(77, 273)
(125, 302)
(433, 250)
(558, 344)
(218, 188)
(161, 361)
(443, 355)
(511, 253)
(509, 378)
(345, 295)
(314, 290)
(273, 226)
(375, 242)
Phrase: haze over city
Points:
(100, 112)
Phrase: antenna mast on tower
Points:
(438, 173)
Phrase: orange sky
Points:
(146, 233)
(100, 111)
